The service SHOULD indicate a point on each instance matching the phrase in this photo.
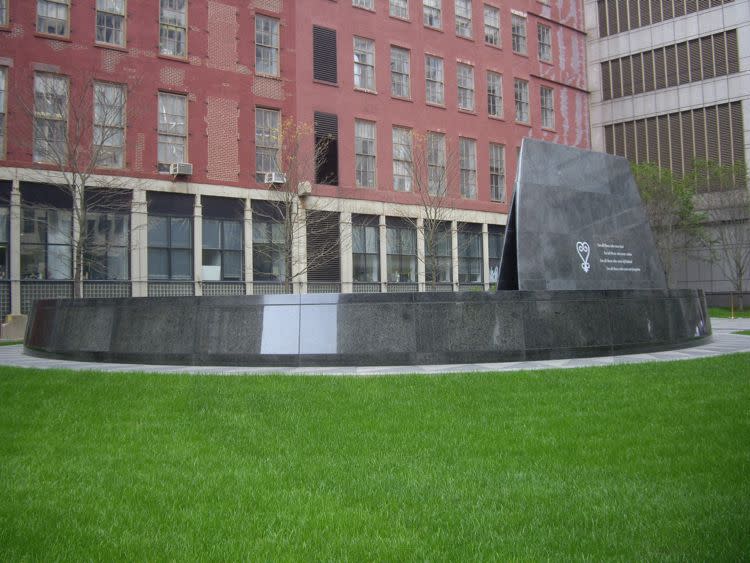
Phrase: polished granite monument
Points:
(579, 277)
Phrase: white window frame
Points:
(364, 64)
(172, 131)
(365, 4)
(268, 126)
(491, 25)
(365, 150)
(52, 117)
(494, 93)
(547, 102)
(266, 45)
(171, 25)
(3, 109)
(463, 19)
(434, 80)
(4, 15)
(544, 42)
(399, 9)
(112, 11)
(109, 124)
(521, 97)
(465, 82)
(59, 8)
(518, 34)
(402, 158)
(400, 72)
(468, 167)
(497, 171)
(432, 13)
(436, 163)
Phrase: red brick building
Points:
(378, 84)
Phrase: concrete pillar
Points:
(421, 275)
(299, 249)
(454, 253)
(15, 249)
(198, 245)
(486, 256)
(383, 253)
(248, 246)
(139, 244)
(345, 249)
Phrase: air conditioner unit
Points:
(275, 178)
(304, 188)
(181, 169)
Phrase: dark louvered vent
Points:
(671, 61)
(638, 86)
(675, 144)
(609, 139)
(327, 148)
(663, 127)
(725, 134)
(732, 53)
(325, 67)
(630, 140)
(694, 47)
(687, 139)
(707, 57)
(659, 69)
(738, 148)
(602, 18)
(648, 71)
(712, 133)
(699, 129)
(627, 77)
(619, 139)
(323, 247)
(642, 138)
(653, 140)
(606, 85)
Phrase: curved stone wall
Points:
(368, 329)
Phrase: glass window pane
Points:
(232, 266)
(157, 231)
(211, 233)
(181, 232)
(158, 265)
(232, 235)
(182, 264)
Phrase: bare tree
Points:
(77, 134)
(727, 206)
(309, 237)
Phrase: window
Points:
(495, 236)
(325, 65)
(494, 94)
(3, 12)
(470, 254)
(173, 28)
(109, 125)
(365, 249)
(266, 45)
(548, 107)
(521, 89)
(399, 9)
(434, 87)
(366, 4)
(4, 236)
(222, 250)
(267, 142)
(3, 107)
(172, 130)
(432, 13)
(170, 248)
(465, 80)
(518, 33)
(437, 252)
(107, 235)
(327, 148)
(52, 17)
(364, 63)
(46, 250)
(110, 22)
(400, 72)
(269, 257)
(491, 26)
(436, 180)
(544, 35)
(468, 167)
(364, 147)
(401, 251)
(497, 172)
(463, 18)
(50, 118)
(402, 155)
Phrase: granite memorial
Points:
(579, 276)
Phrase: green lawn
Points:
(744, 332)
(726, 312)
(639, 462)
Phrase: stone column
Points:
(383, 253)
(15, 248)
(198, 245)
(454, 254)
(299, 250)
(421, 275)
(486, 256)
(139, 244)
(345, 249)
(247, 247)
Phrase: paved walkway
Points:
(724, 342)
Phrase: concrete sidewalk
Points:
(724, 342)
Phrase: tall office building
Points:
(670, 83)
(189, 107)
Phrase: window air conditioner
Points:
(181, 169)
(304, 188)
(275, 178)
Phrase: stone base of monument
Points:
(368, 329)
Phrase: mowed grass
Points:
(726, 313)
(636, 462)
